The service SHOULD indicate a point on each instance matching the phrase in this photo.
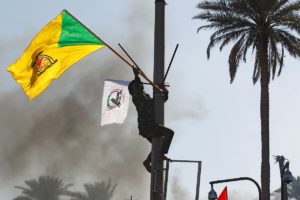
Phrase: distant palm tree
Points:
(96, 191)
(45, 188)
(268, 27)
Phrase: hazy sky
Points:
(214, 121)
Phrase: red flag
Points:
(223, 195)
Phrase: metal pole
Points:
(198, 181)
(239, 179)
(282, 190)
(284, 194)
(166, 179)
(170, 64)
(281, 166)
(156, 192)
(185, 161)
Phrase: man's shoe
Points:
(147, 165)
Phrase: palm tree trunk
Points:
(264, 117)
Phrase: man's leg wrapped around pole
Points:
(168, 136)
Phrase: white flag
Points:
(115, 101)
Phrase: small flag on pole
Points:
(60, 44)
(223, 195)
(115, 101)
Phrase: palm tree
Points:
(270, 28)
(96, 191)
(45, 188)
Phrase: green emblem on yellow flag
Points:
(60, 44)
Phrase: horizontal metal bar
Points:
(187, 161)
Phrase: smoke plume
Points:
(178, 190)
(62, 136)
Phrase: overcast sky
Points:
(214, 121)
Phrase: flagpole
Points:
(115, 52)
(132, 66)
(140, 71)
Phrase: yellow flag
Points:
(60, 44)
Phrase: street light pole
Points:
(156, 190)
(238, 179)
(282, 165)
(283, 187)
(286, 178)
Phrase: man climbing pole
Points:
(147, 126)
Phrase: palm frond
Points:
(289, 42)
(273, 56)
(224, 39)
(235, 57)
(250, 40)
(279, 159)
(281, 61)
(276, 7)
(233, 36)
(256, 70)
(216, 6)
(287, 8)
(290, 21)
